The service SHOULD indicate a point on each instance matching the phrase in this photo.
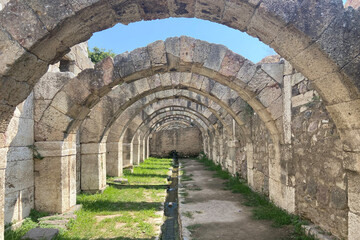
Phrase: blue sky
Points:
(122, 38)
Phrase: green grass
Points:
(122, 211)
(192, 228)
(263, 209)
(185, 177)
(188, 214)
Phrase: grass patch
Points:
(188, 214)
(185, 177)
(192, 228)
(262, 208)
(123, 211)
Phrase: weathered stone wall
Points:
(260, 162)
(186, 141)
(317, 157)
(19, 177)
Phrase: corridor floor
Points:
(210, 212)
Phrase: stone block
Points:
(334, 88)
(352, 161)
(26, 108)
(269, 94)
(209, 10)
(50, 84)
(263, 25)
(345, 114)
(276, 110)
(47, 178)
(274, 70)
(353, 224)
(231, 64)
(201, 51)
(142, 85)
(313, 63)
(157, 53)
(354, 192)
(237, 14)
(41, 234)
(123, 65)
(259, 81)
(215, 57)
(20, 132)
(140, 58)
(93, 148)
(187, 46)
(22, 23)
(19, 176)
(10, 53)
(56, 149)
(181, 8)
(219, 90)
(350, 139)
(303, 99)
(128, 13)
(296, 78)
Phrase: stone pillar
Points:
(126, 154)
(114, 164)
(352, 165)
(134, 153)
(144, 148)
(231, 156)
(147, 147)
(141, 152)
(354, 205)
(2, 197)
(93, 167)
(250, 164)
(55, 175)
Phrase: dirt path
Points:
(210, 212)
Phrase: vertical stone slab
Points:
(126, 154)
(2, 202)
(287, 94)
(141, 150)
(55, 176)
(93, 167)
(354, 205)
(134, 158)
(114, 164)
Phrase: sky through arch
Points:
(122, 38)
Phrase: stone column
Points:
(144, 148)
(231, 156)
(352, 165)
(2, 197)
(126, 154)
(134, 152)
(93, 167)
(147, 147)
(250, 164)
(141, 152)
(354, 205)
(55, 175)
(114, 164)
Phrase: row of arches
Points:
(323, 47)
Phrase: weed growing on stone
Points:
(192, 228)
(185, 177)
(188, 214)
(262, 207)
